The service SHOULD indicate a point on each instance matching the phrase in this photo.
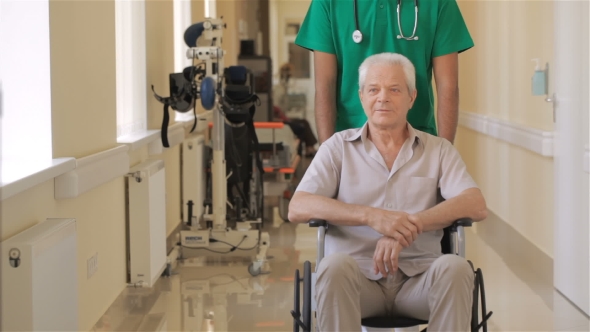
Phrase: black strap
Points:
(250, 124)
(165, 126)
(195, 114)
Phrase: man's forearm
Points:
(325, 113)
(469, 204)
(305, 206)
(448, 112)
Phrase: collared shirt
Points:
(348, 167)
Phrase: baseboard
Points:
(522, 256)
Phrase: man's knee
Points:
(454, 269)
(336, 269)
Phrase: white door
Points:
(570, 73)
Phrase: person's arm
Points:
(446, 75)
(469, 204)
(325, 72)
(305, 206)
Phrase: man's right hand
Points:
(395, 224)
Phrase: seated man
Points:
(377, 187)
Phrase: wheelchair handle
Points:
(317, 223)
(463, 222)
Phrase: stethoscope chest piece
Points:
(357, 36)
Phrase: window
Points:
(182, 20)
(210, 9)
(131, 67)
(25, 85)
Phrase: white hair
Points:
(389, 59)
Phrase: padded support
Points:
(317, 223)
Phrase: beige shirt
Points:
(349, 168)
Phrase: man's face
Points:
(385, 96)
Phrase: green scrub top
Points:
(328, 27)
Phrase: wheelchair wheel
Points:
(479, 298)
(295, 312)
(307, 295)
(302, 319)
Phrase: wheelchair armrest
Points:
(463, 222)
(317, 223)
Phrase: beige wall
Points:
(84, 122)
(495, 80)
(288, 10)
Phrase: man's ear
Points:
(413, 95)
(361, 95)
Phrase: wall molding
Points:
(139, 140)
(92, 171)
(532, 139)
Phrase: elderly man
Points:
(377, 187)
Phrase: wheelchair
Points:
(453, 241)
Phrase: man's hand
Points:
(397, 225)
(386, 256)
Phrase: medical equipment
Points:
(357, 35)
(221, 90)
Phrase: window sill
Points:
(202, 122)
(139, 140)
(21, 176)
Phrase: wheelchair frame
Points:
(454, 234)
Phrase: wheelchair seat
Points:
(391, 322)
(453, 242)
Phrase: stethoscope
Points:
(357, 36)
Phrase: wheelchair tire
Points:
(296, 305)
(475, 305)
(484, 314)
(306, 312)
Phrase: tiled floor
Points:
(216, 293)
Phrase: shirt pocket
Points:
(415, 194)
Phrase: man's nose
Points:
(383, 96)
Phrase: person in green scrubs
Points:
(441, 33)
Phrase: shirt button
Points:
(381, 6)
(388, 205)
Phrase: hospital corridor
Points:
(294, 165)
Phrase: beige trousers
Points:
(442, 295)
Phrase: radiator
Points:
(39, 284)
(193, 175)
(147, 222)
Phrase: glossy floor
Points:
(213, 292)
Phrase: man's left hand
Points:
(386, 255)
